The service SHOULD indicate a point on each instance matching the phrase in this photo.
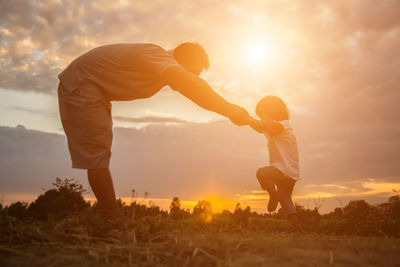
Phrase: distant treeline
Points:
(65, 202)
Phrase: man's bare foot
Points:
(116, 217)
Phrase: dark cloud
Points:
(191, 160)
(166, 160)
(30, 159)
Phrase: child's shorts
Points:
(86, 118)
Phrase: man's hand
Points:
(239, 115)
(256, 125)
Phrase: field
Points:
(183, 244)
(61, 229)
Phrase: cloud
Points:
(335, 63)
(46, 113)
(345, 52)
(149, 119)
(191, 160)
(340, 44)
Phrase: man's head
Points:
(192, 57)
(272, 107)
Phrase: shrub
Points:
(309, 219)
(18, 210)
(203, 211)
(175, 210)
(65, 199)
(241, 216)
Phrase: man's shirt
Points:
(120, 71)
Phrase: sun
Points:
(256, 55)
(255, 52)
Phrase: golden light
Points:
(255, 53)
(258, 55)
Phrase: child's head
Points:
(272, 107)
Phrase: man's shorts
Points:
(86, 118)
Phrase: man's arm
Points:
(198, 90)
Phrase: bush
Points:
(175, 210)
(18, 210)
(203, 211)
(309, 219)
(241, 216)
(65, 199)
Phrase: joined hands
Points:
(239, 116)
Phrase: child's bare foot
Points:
(273, 200)
(268, 186)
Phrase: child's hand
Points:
(273, 127)
(256, 124)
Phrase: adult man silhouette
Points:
(121, 72)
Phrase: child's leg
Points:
(265, 177)
(285, 188)
(285, 198)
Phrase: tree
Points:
(394, 208)
(203, 211)
(175, 210)
(336, 214)
(175, 204)
(357, 210)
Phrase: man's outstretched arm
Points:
(198, 90)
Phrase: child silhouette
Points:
(279, 177)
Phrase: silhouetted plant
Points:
(65, 199)
(308, 218)
(241, 216)
(394, 208)
(356, 210)
(175, 210)
(363, 219)
(337, 213)
(18, 210)
(175, 204)
(203, 211)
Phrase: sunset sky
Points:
(335, 63)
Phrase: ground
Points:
(179, 245)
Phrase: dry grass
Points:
(188, 243)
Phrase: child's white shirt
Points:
(283, 151)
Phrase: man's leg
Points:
(86, 118)
(102, 185)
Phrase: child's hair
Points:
(274, 107)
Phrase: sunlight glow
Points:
(255, 53)
(258, 55)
